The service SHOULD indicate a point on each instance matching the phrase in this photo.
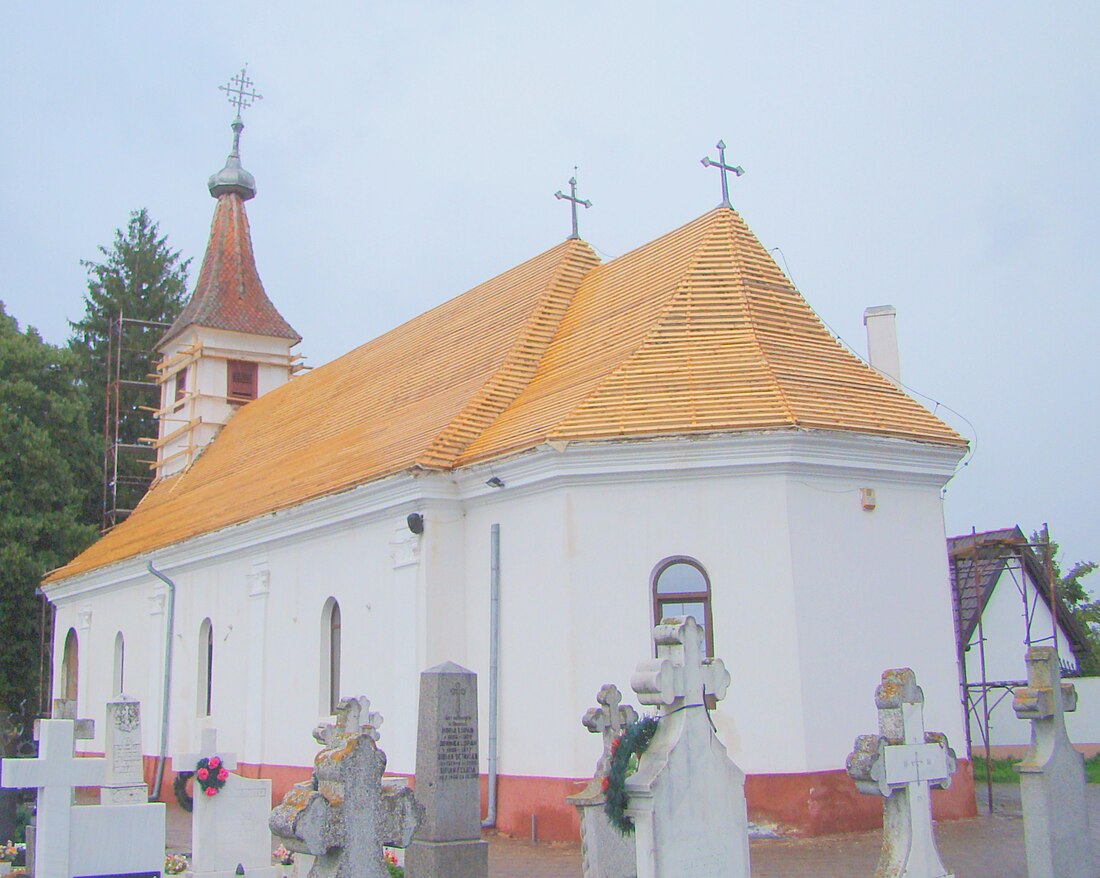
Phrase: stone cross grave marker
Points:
(345, 813)
(1052, 774)
(448, 842)
(902, 763)
(687, 798)
(228, 829)
(605, 853)
(71, 839)
(124, 777)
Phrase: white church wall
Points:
(872, 593)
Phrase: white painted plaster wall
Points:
(1083, 724)
(807, 594)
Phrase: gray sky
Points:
(940, 157)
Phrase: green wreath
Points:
(634, 740)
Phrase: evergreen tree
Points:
(139, 278)
(48, 467)
(1077, 599)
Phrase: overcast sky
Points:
(939, 157)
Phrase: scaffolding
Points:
(978, 565)
(132, 397)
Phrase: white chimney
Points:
(882, 341)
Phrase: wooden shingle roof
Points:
(698, 331)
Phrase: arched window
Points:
(681, 587)
(206, 667)
(330, 656)
(118, 678)
(70, 667)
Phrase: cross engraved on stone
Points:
(574, 201)
(736, 170)
(902, 763)
(681, 675)
(208, 747)
(457, 690)
(353, 717)
(609, 719)
(240, 91)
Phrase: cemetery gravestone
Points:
(448, 843)
(902, 763)
(605, 852)
(345, 813)
(87, 840)
(687, 799)
(228, 829)
(124, 779)
(1052, 774)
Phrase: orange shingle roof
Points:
(229, 294)
(698, 331)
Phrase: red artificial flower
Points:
(615, 745)
(214, 761)
(210, 791)
(223, 774)
(202, 774)
(604, 783)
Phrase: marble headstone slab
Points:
(124, 779)
(1052, 774)
(448, 785)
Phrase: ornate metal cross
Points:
(574, 201)
(721, 163)
(241, 91)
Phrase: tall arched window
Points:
(681, 587)
(70, 667)
(118, 678)
(330, 656)
(206, 667)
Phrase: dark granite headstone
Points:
(448, 842)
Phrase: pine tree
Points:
(140, 278)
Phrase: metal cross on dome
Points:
(721, 164)
(241, 91)
(574, 201)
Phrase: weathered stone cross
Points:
(1052, 774)
(55, 773)
(609, 719)
(902, 763)
(353, 717)
(574, 201)
(208, 747)
(736, 170)
(83, 730)
(681, 675)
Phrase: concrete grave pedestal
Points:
(448, 843)
(1052, 774)
(902, 763)
(687, 799)
(605, 852)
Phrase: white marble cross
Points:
(902, 763)
(207, 748)
(55, 773)
(681, 675)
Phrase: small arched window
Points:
(681, 587)
(70, 667)
(206, 668)
(330, 656)
(118, 677)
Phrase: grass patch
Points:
(1003, 771)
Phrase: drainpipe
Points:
(490, 820)
(171, 626)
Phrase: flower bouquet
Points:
(175, 864)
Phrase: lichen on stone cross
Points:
(902, 763)
(353, 717)
(1045, 696)
(681, 675)
(609, 720)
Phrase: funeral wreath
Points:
(625, 749)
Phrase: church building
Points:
(524, 480)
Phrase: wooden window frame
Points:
(230, 386)
(703, 597)
(181, 388)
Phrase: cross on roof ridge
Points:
(737, 170)
(574, 201)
